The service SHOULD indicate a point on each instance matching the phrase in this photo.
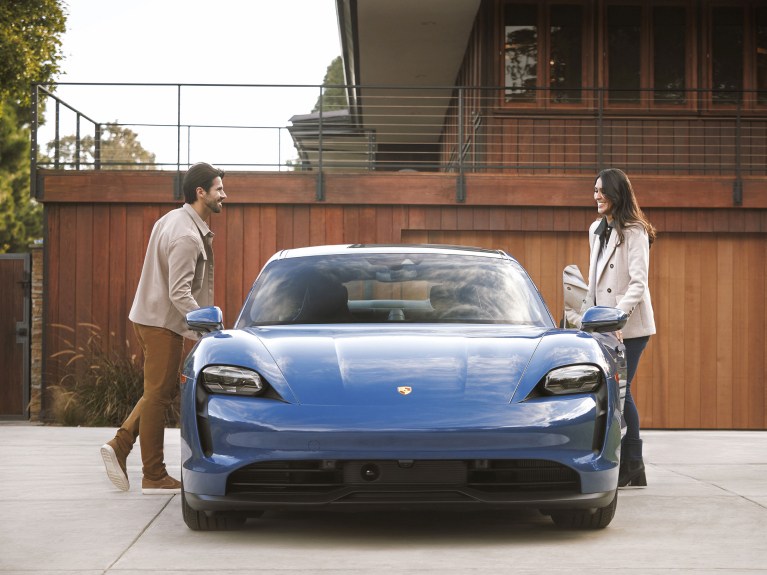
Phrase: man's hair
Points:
(200, 175)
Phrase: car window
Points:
(389, 288)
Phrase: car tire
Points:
(582, 520)
(199, 521)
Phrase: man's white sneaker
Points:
(116, 470)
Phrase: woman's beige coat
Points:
(621, 280)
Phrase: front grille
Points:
(521, 475)
(284, 477)
(488, 475)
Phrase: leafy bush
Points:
(100, 388)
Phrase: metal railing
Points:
(517, 130)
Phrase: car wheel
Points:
(581, 520)
(198, 521)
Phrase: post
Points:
(737, 187)
(320, 191)
(371, 141)
(97, 149)
(177, 181)
(33, 143)
(178, 150)
(599, 168)
(77, 143)
(460, 189)
(57, 141)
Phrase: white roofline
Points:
(386, 249)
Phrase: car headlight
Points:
(572, 379)
(232, 380)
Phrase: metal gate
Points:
(15, 297)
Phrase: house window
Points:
(566, 63)
(521, 52)
(543, 48)
(624, 53)
(761, 56)
(648, 48)
(726, 54)
(669, 34)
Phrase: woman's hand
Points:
(619, 335)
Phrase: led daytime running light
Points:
(572, 379)
(232, 380)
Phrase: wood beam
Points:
(663, 191)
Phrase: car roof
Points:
(389, 249)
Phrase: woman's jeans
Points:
(632, 445)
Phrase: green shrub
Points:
(100, 388)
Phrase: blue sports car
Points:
(400, 376)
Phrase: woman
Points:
(620, 243)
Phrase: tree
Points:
(30, 46)
(118, 144)
(30, 50)
(333, 98)
(20, 216)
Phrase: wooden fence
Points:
(705, 368)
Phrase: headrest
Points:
(440, 297)
(327, 297)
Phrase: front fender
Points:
(558, 348)
(238, 348)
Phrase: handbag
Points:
(575, 291)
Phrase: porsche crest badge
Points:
(404, 390)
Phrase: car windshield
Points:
(394, 288)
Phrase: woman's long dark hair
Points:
(616, 187)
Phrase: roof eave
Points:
(346, 11)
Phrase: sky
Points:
(224, 41)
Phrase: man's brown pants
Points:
(163, 353)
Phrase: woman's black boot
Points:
(632, 473)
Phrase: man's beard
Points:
(212, 205)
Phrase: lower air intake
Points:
(487, 475)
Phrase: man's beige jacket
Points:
(620, 280)
(177, 276)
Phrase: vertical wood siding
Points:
(704, 369)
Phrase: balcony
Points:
(458, 133)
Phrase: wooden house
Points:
(485, 122)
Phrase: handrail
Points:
(464, 129)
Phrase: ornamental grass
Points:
(101, 386)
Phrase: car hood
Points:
(444, 364)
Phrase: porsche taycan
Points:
(365, 377)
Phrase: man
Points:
(177, 278)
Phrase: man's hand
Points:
(619, 335)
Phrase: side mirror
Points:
(601, 319)
(205, 319)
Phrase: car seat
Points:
(326, 301)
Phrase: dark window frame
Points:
(544, 98)
(749, 43)
(647, 56)
(755, 46)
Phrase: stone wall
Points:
(36, 346)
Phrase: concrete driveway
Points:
(705, 511)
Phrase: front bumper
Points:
(244, 431)
(401, 497)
